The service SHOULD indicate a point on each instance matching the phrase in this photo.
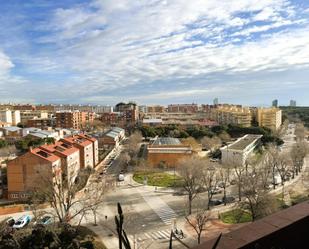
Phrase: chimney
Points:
(30, 148)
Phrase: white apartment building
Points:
(10, 117)
(238, 152)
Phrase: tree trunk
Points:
(224, 196)
(199, 238)
(190, 204)
(95, 217)
(239, 192)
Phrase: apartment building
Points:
(231, 114)
(26, 107)
(111, 138)
(269, 117)
(167, 152)
(70, 158)
(41, 123)
(85, 147)
(238, 152)
(156, 109)
(102, 109)
(185, 108)
(73, 119)
(26, 115)
(10, 117)
(31, 170)
(95, 146)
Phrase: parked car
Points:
(22, 221)
(233, 182)
(215, 202)
(45, 220)
(9, 221)
(228, 199)
(121, 177)
(222, 184)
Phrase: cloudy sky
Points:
(154, 51)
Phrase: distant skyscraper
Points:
(216, 101)
(275, 103)
(292, 102)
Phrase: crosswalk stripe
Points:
(163, 235)
(166, 233)
(147, 235)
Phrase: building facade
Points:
(269, 117)
(167, 152)
(25, 173)
(185, 108)
(73, 119)
(238, 152)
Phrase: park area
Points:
(158, 179)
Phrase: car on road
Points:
(22, 221)
(233, 182)
(121, 177)
(215, 202)
(228, 199)
(44, 220)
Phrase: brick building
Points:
(85, 147)
(73, 119)
(168, 152)
(41, 123)
(70, 158)
(24, 172)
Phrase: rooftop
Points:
(244, 142)
(44, 154)
(166, 141)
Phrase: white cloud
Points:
(110, 45)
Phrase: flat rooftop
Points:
(166, 141)
(244, 142)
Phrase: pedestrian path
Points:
(160, 235)
(166, 214)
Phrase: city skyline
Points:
(99, 52)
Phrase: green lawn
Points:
(235, 216)
(158, 179)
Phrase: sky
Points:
(154, 51)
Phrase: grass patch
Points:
(87, 237)
(298, 199)
(158, 179)
(235, 216)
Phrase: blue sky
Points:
(154, 51)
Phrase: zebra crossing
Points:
(154, 235)
(166, 214)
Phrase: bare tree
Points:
(298, 154)
(225, 137)
(300, 132)
(198, 222)
(192, 142)
(210, 181)
(211, 143)
(133, 145)
(124, 159)
(271, 161)
(283, 166)
(224, 177)
(239, 171)
(191, 171)
(256, 198)
(64, 196)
